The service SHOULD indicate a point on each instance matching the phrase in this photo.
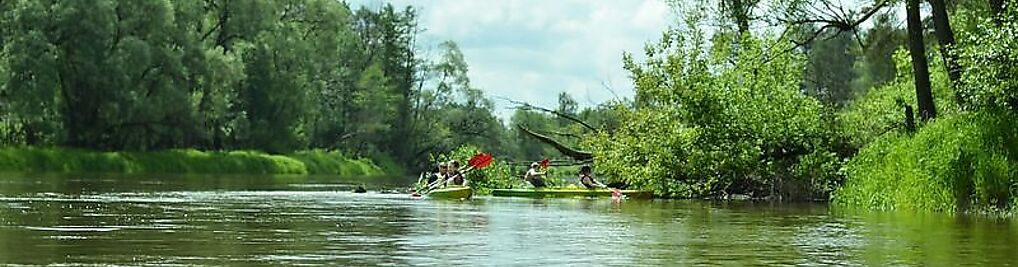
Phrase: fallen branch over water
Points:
(565, 150)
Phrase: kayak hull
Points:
(452, 193)
(568, 193)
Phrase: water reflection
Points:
(286, 221)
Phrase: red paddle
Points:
(480, 160)
(544, 164)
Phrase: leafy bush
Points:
(956, 163)
(989, 54)
(703, 126)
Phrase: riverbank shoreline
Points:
(185, 161)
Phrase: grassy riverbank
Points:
(185, 161)
(964, 162)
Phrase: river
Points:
(250, 220)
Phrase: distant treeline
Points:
(222, 75)
(274, 76)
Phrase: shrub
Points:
(704, 127)
(989, 53)
(955, 163)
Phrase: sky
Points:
(530, 50)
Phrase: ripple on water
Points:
(73, 228)
(67, 237)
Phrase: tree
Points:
(917, 49)
(739, 11)
(991, 75)
(707, 125)
(274, 98)
(116, 79)
(391, 35)
(829, 72)
(237, 21)
(566, 105)
(276, 76)
(827, 31)
(945, 35)
(464, 108)
(880, 43)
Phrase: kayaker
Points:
(587, 178)
(437, 174)
(455, 175)
(438, 178)
(535, 177)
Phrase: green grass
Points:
(965, 162)
(185, 161)
(333, 163)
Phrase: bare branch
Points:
(607, 86)
(842, 23)
(527, 106)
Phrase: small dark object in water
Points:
(360, 189)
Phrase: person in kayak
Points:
(438, 174)
(535, 177)
(438, 178)
(455, 175)
(587, 178)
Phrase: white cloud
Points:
(532, 50)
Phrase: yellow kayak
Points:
(452, 192)
(568, 193)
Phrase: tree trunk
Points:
(945, 36)
(909, 119)
(740, 14)
(920, 67)
(222, 37)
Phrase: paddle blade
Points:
(476, 159)
(481, 160)
(544, 163)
